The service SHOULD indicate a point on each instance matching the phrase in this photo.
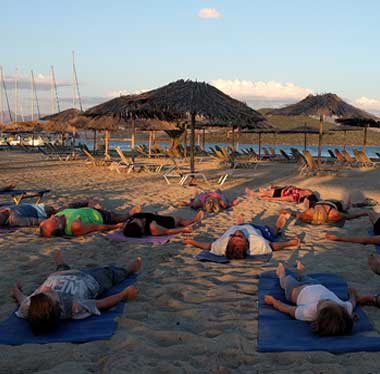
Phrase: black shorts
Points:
(165, 221)
(277, 192)
(376, 227)
(107, 216)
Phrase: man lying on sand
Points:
(149, 224)
(375, 239)
(211, 201)
(281, 193)
(81, 221)
(325, 211)
(27, 215)
(315, 303)
(242, 240)
(71, 294)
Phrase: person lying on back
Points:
(81, 221)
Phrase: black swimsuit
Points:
(164, 221)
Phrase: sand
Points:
(189, 316)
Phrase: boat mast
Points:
(54, 90)
(16, 95)
(76, 93)
(5, 93)
(34, 96)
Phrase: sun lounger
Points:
(19, 195)
(314, 169)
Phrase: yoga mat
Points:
(377, 246)
(210, 257)
(279, 332)
(7, 229)
(16, 331)
(155, 240)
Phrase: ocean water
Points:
(313, 149)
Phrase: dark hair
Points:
(234, 252)
(45, 233)
(133, 230)
(43, 314)
(313, 199)
(333, 320)
(211, 205)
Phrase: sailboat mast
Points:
(55, 88)
(16, 95)
(76, 92)
(5, 93)
(32, 97)
(35, 96)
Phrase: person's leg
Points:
(108, 276)
(179, 221)
(60, 262)
(112, 218)
(281, 222)
(278, 246)
(287, 282)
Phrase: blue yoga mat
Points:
(279, 332)
(377, 246)
(15, 331)
(210, 257)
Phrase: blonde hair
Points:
(211, 205)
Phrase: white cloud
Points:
(117, 93)
(271, 90)
(368, 104)
(42, 82)
(209, 13)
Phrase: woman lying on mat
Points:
(242, 240)
(150, 224)
(211, 201)
(284, 193)
(374, 239)
(71, 294)
(325, 211)
(314, 303)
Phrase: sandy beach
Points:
(189, 316)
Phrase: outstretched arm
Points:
(128, 293)
(280, 306)
(201, 245)
(354, 215)
(157, 230)
(354, 239)
(79, 228)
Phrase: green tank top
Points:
(86, 215)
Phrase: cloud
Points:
(209, 13)
(117, 93)
(42, 82)
(368, 104)
(271, 90)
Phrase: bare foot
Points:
(235, 202)
(134, 210)
(280, 271)
(134, 266)
(282, 219)
(58, 257)
(187, 229)
(374, 263)
(295, 242)
(199, 216)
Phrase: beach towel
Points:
(15, 331)
(5, 230)
(207, 256)
(279, 332)
(377, 246)
(155, 240)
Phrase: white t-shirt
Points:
(257, 244)
(310, 296)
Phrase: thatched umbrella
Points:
(344, 129)
(184, 101)
(360, 122)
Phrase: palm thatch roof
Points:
(63, 116)
(328, 104)
(26, 126)
(358, 122)
(178, 101)
(300, 130)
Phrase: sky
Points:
(266, 53)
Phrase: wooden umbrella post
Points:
(365, 137)
(344, 140)
(260, 144)
(192, 143)
(320, 140)
(150, 144)
(203, 138)
(133, 137)
(94, 145)
(185, 143)
(233, 138)
(304, 139)
(106, 144)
